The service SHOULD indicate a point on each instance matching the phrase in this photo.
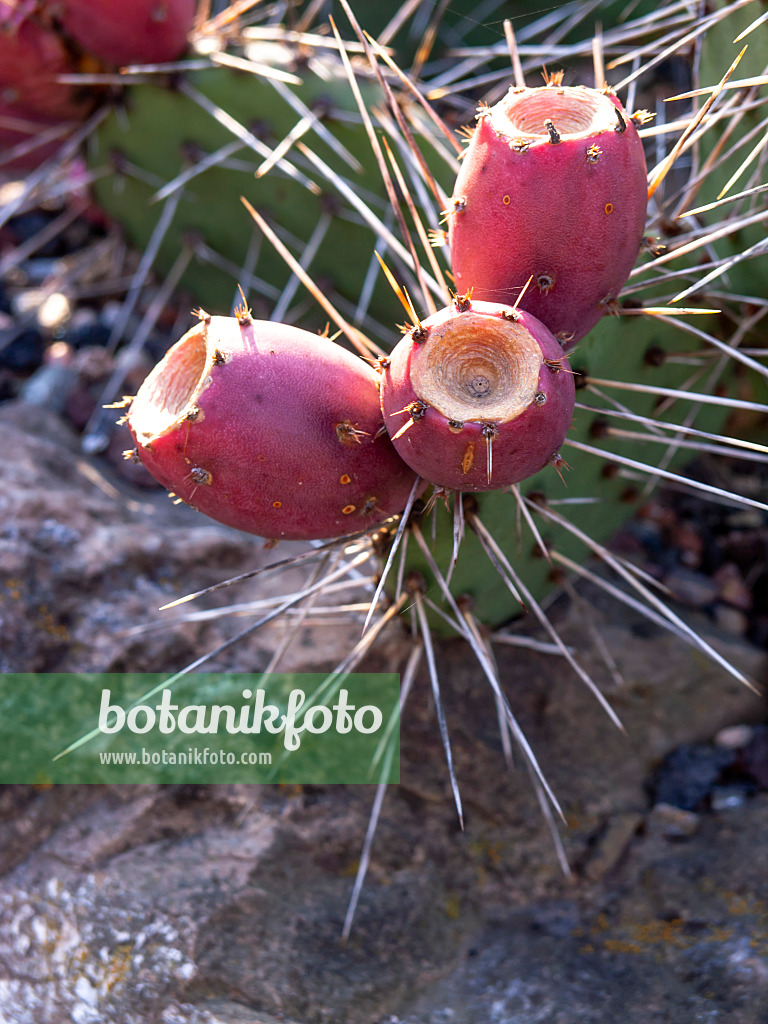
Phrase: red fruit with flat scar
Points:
(478, 397)
(552, 187)
(269, 429)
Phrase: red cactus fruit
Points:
(552, 186)
(270, 429)
(129, 31)
(478, 396)
(31, 57)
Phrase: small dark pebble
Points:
(24, 351)
(688, 775)
(27, 225)
(87, 335)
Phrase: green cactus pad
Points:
(160, 131)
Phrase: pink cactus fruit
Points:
(478, 397)
(31, 57)
(269, 429)
(129, 31)
(552, 186)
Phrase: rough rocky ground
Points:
(217, 905)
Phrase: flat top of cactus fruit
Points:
(573, 110)
(477, 364)
(170, 389)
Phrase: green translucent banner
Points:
(199, 727)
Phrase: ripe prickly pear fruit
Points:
(142, 31)
(269, 429)
(31, 57)
(479, 396)
(553, 187)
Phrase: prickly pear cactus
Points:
(206, 127)
(654, 380)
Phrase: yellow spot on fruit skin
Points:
(348, 510)
(345, 479)
(609, 207)
(277, 504)
(506, 200)
(469, 458)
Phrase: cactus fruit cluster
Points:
(546, 215)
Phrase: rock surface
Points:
(224, 904)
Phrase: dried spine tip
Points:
(553, 79)
(348, 434)
(463, 302)
(554, 137)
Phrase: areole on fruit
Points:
(553, 187)
(478, 397)
(270, 429)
